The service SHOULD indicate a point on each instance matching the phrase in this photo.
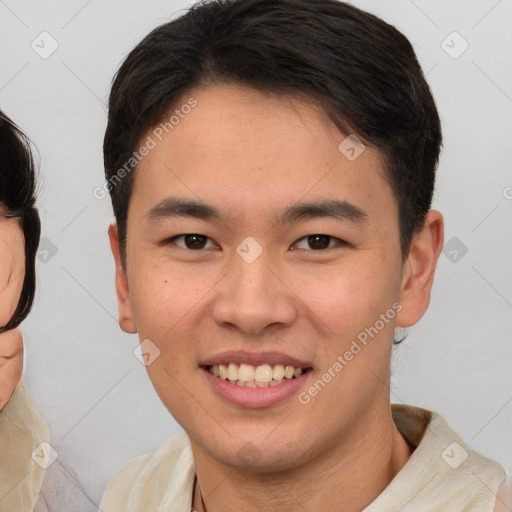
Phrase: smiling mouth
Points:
(260, 376)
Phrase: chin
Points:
(259, 456)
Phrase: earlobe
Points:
(126, 316)
(419, 268)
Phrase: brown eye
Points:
(191, 241)
(318, 242)
(195, 241)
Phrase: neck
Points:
(349, 476)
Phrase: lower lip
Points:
(255, 397)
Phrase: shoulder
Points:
(504, 497)
(464, 476)
(23, 455)
(148, 481)
(443, 472)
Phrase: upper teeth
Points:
(252, 376)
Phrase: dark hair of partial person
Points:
(17, 200)
(359, 70)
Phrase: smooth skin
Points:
(12, 272)
(251, 156)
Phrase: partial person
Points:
(24, 435)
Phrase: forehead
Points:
(245, 150)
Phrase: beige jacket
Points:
(22, 457)
(442, 475)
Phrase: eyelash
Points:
(331, 239)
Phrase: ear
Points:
(419, 268)
(126, 316)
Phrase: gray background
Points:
(80, 368)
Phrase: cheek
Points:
(164, 295)
(348, 298)
(12, 272)
(10, 293)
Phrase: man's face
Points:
(255, 285)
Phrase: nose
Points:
(254, 299)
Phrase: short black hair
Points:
(361, 71)
(17, 198)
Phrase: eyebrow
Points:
(333, 208)
(180, 207)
